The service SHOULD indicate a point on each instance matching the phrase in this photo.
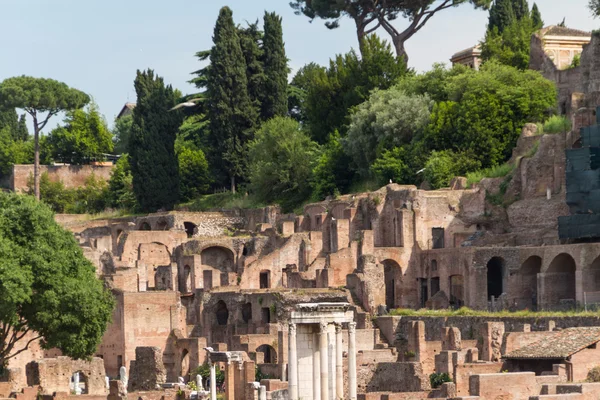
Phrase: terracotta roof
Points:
(558, 346)
(564, 31)
(128, 107)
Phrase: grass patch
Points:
(467, 312)
(363, 186)
(220, 200)
(557, 124)
(498, 171)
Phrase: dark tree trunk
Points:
(36, 159)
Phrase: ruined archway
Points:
(190, 228)
(269, 354)
(162, 225)
(79, 383)
(591, 277)
(559, 280)
(247, 312)
(222, 313)
(187, 279)
(457, 299)
(145, 227)
(495, 277)
(185, 365)
(528, 281)
(218, 257)
(393, 279)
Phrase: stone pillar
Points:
(292, 363)
(76, 387)
(352, 360)
(324, 361)
(316, 368)
(339, 366)
(213, 381)
(262, 393)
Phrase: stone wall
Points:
(385, 377)
(72, 176)
(149, 372)
(54, 375)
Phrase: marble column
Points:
(213, 381)
(352, 360)
(323, 342)
(316, 368)
(339, 366)
(292, 363)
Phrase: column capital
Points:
(352, 327)
(292, 328)
(323, 326)
(338, 327)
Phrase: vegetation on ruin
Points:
(557, 124)
(437, 379)
(593, 375)
(49, 290)
(499, 171)
(468, 312)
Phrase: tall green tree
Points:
(594, 6)
(49, 290)
(85, 137)
(230, 110)
(121, 134)
(274, 101)
(9, 119)
(22, 132)
(250, 43)
(521, 9)
(38, 96)
(153, 161)
(502, 15)
(536, 17)
(370, 15)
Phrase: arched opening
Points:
(393, 278)
(265, 279)
(162, 225)
(591, 278)
(245, 251)
(222, 313)
(559, 280)
(456, 291)
(190, 228)
(145, 227)
(247, 312)
(269, 354)
(79, 383)
(217, 257)
(528, 281)
(119, 233)
(185, 365)
(495, 277)
(187, 279)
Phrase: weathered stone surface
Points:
(149, 371)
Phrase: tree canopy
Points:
(274, 101)
(370, 15)
(48, 288)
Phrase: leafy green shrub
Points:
(498, 171)
(194, 176)
(204, 371)
(442, 166)
(54, 194)
(91, 198)
(557, 124)
(437, 380)
(120, 186)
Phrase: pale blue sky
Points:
(97, 45)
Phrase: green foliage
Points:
(557, 124)
(390, 118)
(498, 171)
(502, 15)
(576, 62)
(120, 186)
(153, 161)
(52, 193)
(122, 133)
(204, 371)
(13, 152)
(281, 160)
(331, 174)
(92, 198)
(259, 376)
(444, 165)
(47, 286)
(511, 46)
(594, 6)
(437, 379)
(250, 40)
(274, 100)
(229, 108)
(226, 200)
(194, 173)
(536, 17)
(391, 166)
(329, 94)
(85, 137)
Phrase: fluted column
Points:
(316, 368)
(292, 363)
(324, 361)
(213, 382)
(339, 366)
(352, 360)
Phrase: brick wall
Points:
(73, 176)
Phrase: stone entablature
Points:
(470, 57)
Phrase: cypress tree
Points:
(275, 101)
(250, 38)
(536, 17)
(153, 162)
(230, 110)
(501, 15)
(521, 9)
(9, 118)
(22, 131)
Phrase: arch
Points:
(190, 228)
(559, 280)
(222, 313)
(185, 365)
(528, 274)
(457, 298)
(187, 279)
(247, 312)
(119, 233)
(269, 353)
(393, 279)
(162, 225)
(145, 226)
(218, 257)
(591, 277)
(79, 383)
(495, 277)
